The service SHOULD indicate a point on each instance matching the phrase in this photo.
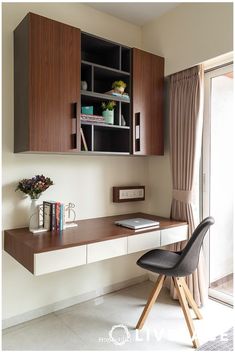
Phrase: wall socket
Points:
(128, 193)
(131, 194)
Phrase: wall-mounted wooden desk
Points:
(93, 240)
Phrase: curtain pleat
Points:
(186, 99)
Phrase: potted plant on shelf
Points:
(108, 111)
(119, 86)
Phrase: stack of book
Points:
(92, 118)
(113, 93)
(53, 215)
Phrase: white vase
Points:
(34, 215)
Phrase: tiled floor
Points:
(89, 326)
(225, 285)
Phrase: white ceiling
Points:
(138, 13)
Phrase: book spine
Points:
(83, 140)
(53, 216)
(61, 217)
(57, 215)
(46, 215)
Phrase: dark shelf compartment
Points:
(100, 51)
(104, 62)
(125, 110)
(97, 110)
(125, 59)
(103, 80)
(111, 140)
(86, 75)
(87, 131)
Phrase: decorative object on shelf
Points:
(84, 85)
(34, 187)
(119, 86)
(92, 118)
(83, 139)
(71, 216)
(34, 215)
(123, 121)
(87, 110)
(58, 216)
(108, 111)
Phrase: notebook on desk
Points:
(137, 223)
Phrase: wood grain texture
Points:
(88, 231)
(21, 86)
(190, 299)
(19, 250)
(185, 308)
(48, 53)
(55, 59)
(147, 90)
(152, 299)
(22, 244)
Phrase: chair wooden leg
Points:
(185, 308)
(152, 298)
(190, 299)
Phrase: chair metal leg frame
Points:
(152, 298)
(190, 299)
(185, 308)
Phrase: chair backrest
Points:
(190, 254)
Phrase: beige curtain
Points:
(186, 95)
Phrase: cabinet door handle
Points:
(137, 132)
(74, 126)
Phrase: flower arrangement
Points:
(119, 86)
(110, 105)
(34, 186)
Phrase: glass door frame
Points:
(206, 173)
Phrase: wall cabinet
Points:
(148, 80)
(47, 86)
(50, 61)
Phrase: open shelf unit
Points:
(102, 63)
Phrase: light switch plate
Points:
(128, 193)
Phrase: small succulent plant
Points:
(110, 105)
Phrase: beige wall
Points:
(86, 181)
(188, 35)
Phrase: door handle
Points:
(137, 132)
(74, 126)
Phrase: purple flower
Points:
(34, 186)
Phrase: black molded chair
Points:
(176, 265)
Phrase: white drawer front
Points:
(173, 235)
(56, 260)
(106, 249)
(143, 241)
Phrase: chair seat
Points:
(160, 261)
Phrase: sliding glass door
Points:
(218, 180)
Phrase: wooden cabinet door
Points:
(147, 91)
(50, 86)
